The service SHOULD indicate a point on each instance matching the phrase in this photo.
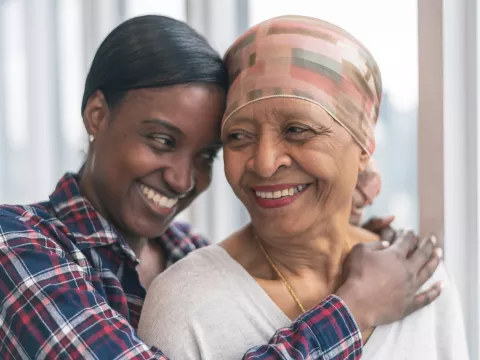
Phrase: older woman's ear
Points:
(364, 158)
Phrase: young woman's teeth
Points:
(157, 198)
(281, 193)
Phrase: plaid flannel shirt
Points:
(69, 290)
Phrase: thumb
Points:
(378, 223)
(388, 220)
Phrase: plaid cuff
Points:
(335, 329)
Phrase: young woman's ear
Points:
(96, 114)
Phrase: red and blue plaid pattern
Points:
(69, 290)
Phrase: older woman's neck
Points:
(318, 252)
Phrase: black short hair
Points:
(148, 52)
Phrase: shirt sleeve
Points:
(328, 331)
(49, 310)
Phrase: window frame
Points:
(448, 144)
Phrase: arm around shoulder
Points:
(328, 331)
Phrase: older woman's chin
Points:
(281, 226)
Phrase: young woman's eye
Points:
(163, 140)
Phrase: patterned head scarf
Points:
(312, 60)
(366, 191)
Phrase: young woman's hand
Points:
(382, 280)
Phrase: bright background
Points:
(429, 167)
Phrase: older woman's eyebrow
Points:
(243, 120)
(301, 114)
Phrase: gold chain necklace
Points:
(295, 297)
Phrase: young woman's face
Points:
(153, 153)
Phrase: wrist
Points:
(350, 293)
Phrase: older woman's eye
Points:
(236, 136)
(297, 133)
(238, 139)
(296, 129)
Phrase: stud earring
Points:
(91, 138)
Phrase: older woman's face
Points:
(290, 163)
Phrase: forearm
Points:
(328, 331)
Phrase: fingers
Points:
(425, 298)
(423, 252)
(375, 245)
(387, 221)
(405, 242)
(387, 234)
(429, 268)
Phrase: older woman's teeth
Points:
(280, 194)
(156, 198)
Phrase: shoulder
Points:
(182, 231)
(435, 329)
(28, 227)
(185, 309)
(204, 267)
(183, 285)
(179, 240)
(188, 287)
(448, 303)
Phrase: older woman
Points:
(78, 265)
(297, 131)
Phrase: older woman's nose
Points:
(179, 177)
(268, 158)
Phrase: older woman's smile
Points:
(273, 196)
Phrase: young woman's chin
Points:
(142, 222)
(146, 228)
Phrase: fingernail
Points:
(408, 230)
(439, 252)
(385, 244)
(442, 285)
(433, 239)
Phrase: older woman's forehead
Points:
(281, 110)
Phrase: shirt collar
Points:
(84, 223)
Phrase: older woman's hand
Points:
(382, 280)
